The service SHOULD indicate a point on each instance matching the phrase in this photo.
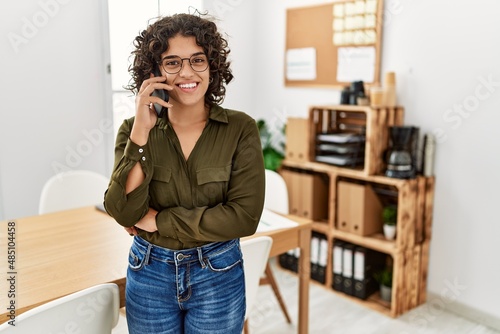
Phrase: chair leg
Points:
(270, 279)
(245, 327)
(123, 311)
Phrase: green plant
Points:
(384, 277)
(272, 146)
(390, 215)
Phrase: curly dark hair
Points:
(153, 41)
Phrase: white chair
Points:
(276, 199)
(90, 311)
(72, 189)
(276, 196)
(255, 257)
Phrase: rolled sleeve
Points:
(135, 152)
(128, 209)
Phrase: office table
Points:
(64, 252)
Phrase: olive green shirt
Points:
(217, 194)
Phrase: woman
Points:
(187, 184)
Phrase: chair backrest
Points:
(72, 189)
(255, 256)
(92, 310)
(276, 196)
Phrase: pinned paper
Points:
(301, 64)
(355, 64)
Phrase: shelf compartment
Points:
(359, 208)
(359, 283)
(308, 193)
(372, 123)
(409, 281)
(405, 194)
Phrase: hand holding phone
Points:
(161, 93)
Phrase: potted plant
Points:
(384, 279)
(272, 145)
(390, 217)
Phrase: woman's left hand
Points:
(148, 222)
(131, 230)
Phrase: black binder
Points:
(319, 255)
(314, 255)
(283, 260)
(290, 260)
(338, 248)
(323, 258)
(366, 262)
(347, 269)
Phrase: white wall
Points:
(236, 20)
(444, 53)
(56, 101)
(124, 28)
(444, 57)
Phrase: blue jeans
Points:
(197, 290)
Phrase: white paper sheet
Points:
(301, 64)
(356, 63)
(270, 221)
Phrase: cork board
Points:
(331, 45)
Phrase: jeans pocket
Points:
(136, 259)
(224, 261)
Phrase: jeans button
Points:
(180, 257)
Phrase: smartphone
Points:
(161, 93)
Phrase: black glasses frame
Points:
(182, 63)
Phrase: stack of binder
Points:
(353, 269)
(319, 256)
(290, 260)
(341, 149)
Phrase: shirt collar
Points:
(219, 114)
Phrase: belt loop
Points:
(200, 257)
(148, 253)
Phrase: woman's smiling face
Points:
(189, 85)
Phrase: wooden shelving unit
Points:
(410, 250)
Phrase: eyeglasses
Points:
(173, 64)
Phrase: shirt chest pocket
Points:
(212, 185)
(161, 188)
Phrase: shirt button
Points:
(143, 158)
(141, 150)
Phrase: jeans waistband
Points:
(183, 255)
